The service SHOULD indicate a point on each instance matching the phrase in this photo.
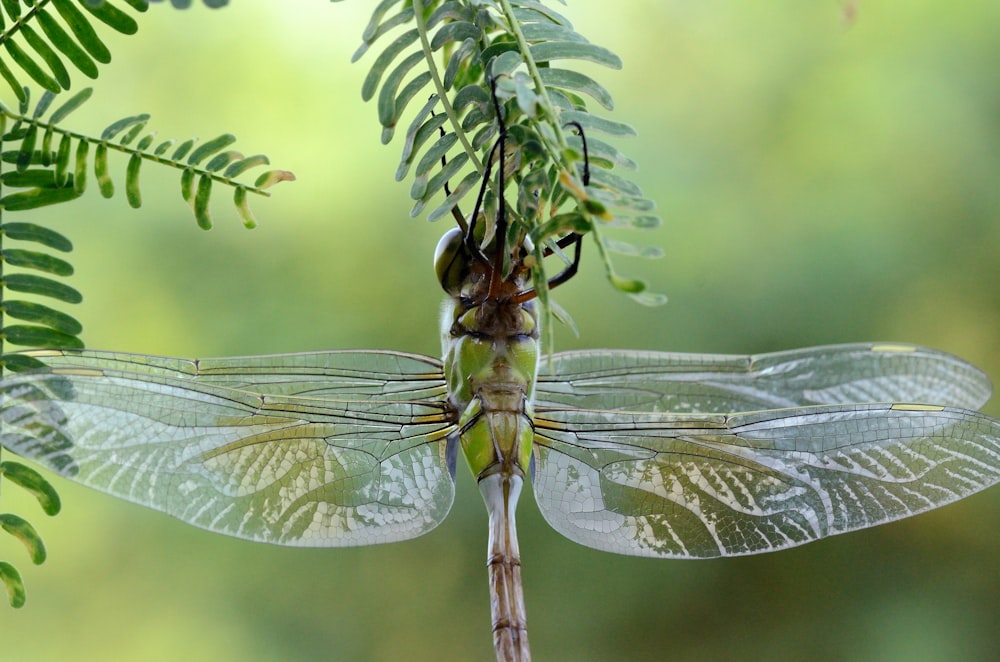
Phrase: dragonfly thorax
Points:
(490, 346)
(491, 353)
(481, 304)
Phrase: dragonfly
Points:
(642, 453)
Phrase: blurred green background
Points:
(819, 183)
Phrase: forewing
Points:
(280, 469)
(835, 374)
(337, 375)
(698, 486)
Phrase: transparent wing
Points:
(705, 485)
(835, 374)
(338, 375)
(282, 469)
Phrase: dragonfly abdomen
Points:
(496, 431)
(510, 629)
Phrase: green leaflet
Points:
(31, 67)
(20, 362)
(575, 50)
(28, 177)
(66, 44)
(434, 153)
(19, 257)
(113, 17)
(27, 150)
(37, 234)
(457, 193)
(12, 7)
(237, 168)
(390, 106)
(42, 286)
(51, 58)
(29, 311)
(11, 79)
(38, 197)
(39, 336)
(124, 123)
(15, 585)
(20, 529)
(162, 148)
(102, 172)
(132, 193)
(132, 133)
(83, 31)
(201, 198)
(187, 186)
(220, 161)
(240, 200)
(418, 134)
(211, 147)
(384, 60)
(183, 149)
(32, 481)
(573, 80)
(80, 167)
(272, 177)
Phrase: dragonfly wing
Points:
(280, 469)
(337, 375)
(835, 374)
(706, 485)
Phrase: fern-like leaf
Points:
(42, 164)
(45, 38)
(456, 47)
(35, 271)
(27, 265)
(52, 162)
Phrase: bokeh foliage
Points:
(818, 184)
(45, 164)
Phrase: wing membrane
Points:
(338, 375)
(274, 468)
(835, 374)
(705, 485)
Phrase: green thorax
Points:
(491, 351)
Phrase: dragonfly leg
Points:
(586, 154)
(574, 238)
(456, 211)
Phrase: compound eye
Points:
(451, 261)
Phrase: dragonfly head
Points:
(492, 268)
(482, 307)
(471, 276)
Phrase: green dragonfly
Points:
(629, 452)
(644, 453)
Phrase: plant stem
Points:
(228, 181)
(442, 93)
(536, 77)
